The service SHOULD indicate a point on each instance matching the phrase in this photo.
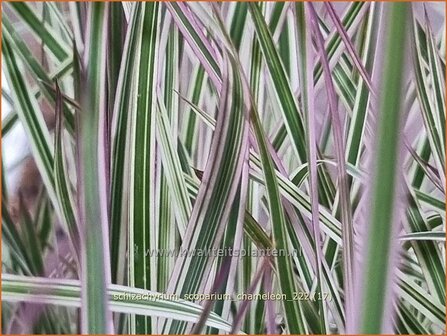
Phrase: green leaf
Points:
(16, 288)
(432, 112)
(379, 248)
(283, 91)
(96, 317)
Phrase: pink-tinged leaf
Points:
(349, 46)
(345, 205)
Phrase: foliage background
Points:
(309, 127)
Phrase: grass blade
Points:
(211, 208)
(96, 316)
(308, 106)
(382, 206)
(16, 288)
(345, 202)
(142, 230)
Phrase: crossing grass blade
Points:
(169, 236)
(344, 197)
(8, 123)
(59, 49)
(210, 210)
(292, 308)
(349, 46)
(63, 186)
(31, 118)
(427, 252)
(427, 235)
(24, 103)
(294, 124)
(283, 94)
(173, 170)
(431, 110)
(15, 243)
(196, 40)
(357, 126)
(289, 189)
(306, 58)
